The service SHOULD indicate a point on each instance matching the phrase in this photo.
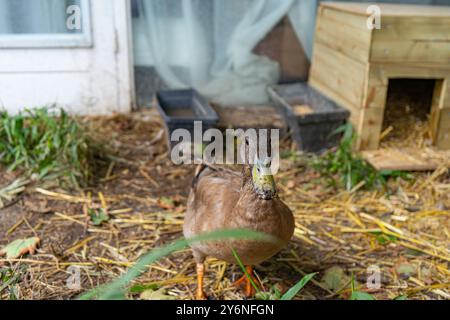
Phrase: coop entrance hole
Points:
(408, 113)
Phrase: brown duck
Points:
(223, 199)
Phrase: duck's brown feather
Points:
(219, 199)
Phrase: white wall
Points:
(95, 80)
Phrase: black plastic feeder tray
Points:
(180, 108)
(311, 117)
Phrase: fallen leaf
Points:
(405, 270)
(20, 247)
(166, 203)
(160, 294)
(335, 279)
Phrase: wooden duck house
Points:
(354, 61)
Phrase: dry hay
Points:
(406, 118)
(145, 194)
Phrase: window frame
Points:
(53, 40)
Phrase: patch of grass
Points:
(46, 143)
(344, 168)
(9, 278)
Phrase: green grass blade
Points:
(292, 292)
(245, 270)
(360, 295)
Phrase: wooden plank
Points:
(443, 135)
(375, 92)
(337, 32)
(369, 129)
(401, 50)
(338, 76)
(411, 70)
(339, 99)
(347, 18)
(348, 40)
(406, 159)
(414, 39)
(372, 112)
(375, 96)
(413, 28)
(446, 97)
(436, 107)
(355, 111)
(391, 10)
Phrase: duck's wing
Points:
(287, 221)
(214, 193)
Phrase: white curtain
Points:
(303, 18)
(34, 16)
(207, 44)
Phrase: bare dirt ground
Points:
(405, 234)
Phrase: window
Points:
(44, 23)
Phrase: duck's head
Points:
(262, 178)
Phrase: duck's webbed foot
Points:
(249, 289)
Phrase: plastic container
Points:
(180, 108)
(311, 117)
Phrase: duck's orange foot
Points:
(249, 285)
(201, 295)
(200, 274)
